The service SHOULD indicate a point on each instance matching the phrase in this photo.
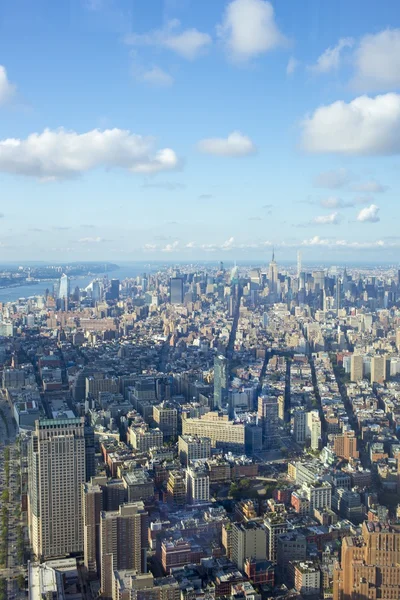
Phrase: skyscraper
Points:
(220, 380)
(56, 474)
(338, 300)
(122, 537)
(269, 417)
(176, 290)
(64, 291)
(114, 289)
(273, 275)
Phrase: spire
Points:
(273, 254)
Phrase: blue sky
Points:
(181, 129)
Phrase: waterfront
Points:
(11, 294)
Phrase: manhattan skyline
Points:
(185, 131)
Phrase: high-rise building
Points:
(345, 445)
(356, 367)
(166, 417)
(176, 290)
(122, 537)
(273, 279)
(193, 448)
(56, 474)
(378, 369)
(300, 426)
(64, 291)
(92, 505)
(114, 289)
(369, 564)
(268, 413)
(338, 299)
(220, 380)
(197, 484)
(314, 429)
(248, 540)
(275, 524)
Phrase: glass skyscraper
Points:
(220, 380)
(63, 292)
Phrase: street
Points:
(10, 480)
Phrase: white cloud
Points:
(333, 179)
(249, 29)
(228, 244)
(377, 61)
(91, 240)
(364, 126)
(236, 144)
(190, 245)
(7, 89)
(189, 43)
(330, 59)
(60, 154)
(171, 247)
(332, 219)
(369, 187)
(292, 65)
(369, 214)
(154, 76)
(334, 202)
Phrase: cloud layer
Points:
(248, 29)
(236, 145)
(364, 126)
(61, 154)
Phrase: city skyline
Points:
(187, 131)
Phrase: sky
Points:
(189, 130)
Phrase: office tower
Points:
(96, 292)
(369, 564)
(248, 540)
(253, 438)
(90, 452)
(176, 290)
(273, 275)
(356, 367)
(338, 300)
(166, 417)
(223, 433)
(378, 369)
(345, 445)
(300, 425)
(56, 474)
(193, 448)
(197, 484)
(319, 280)
(220, 380)
(298, 264)
(114, 289)
(122, 536)
(64, 291)
(269, 417)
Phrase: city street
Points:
(7, 439)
